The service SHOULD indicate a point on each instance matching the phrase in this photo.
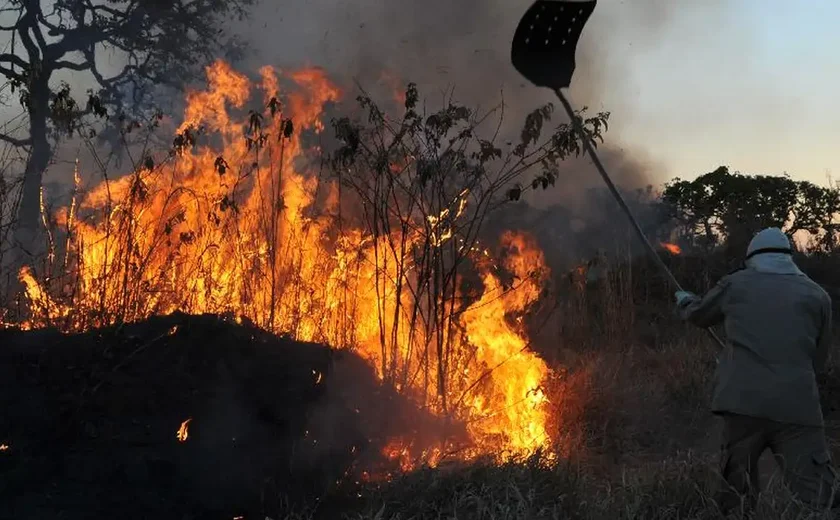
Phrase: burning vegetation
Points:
(183, 432)
(674, 249)
(373, 246)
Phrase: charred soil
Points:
(184, 417)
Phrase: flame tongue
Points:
(674, 249)
(246, 228)
(183, 432)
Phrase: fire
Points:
(396, 450)
(183, 432)
(248, 227)
(42, 303)
(674, 249)
(512, 406)
(400, 452)
(4, 447)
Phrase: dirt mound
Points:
(89, 422)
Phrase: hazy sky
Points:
(691, 84)
(759, 93)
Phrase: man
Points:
(778, 329)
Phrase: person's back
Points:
(778, 329)
(774, 322)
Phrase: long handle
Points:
(587, 145)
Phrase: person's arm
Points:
(824, 339)
(708, 310)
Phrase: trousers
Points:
(801, 453)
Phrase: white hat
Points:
(770, 240)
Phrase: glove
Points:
(683, 298)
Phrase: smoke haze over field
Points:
(464, 46)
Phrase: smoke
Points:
(463, 47)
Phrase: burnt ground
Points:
(89, 421)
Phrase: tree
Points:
(160, 43)
(723, 207)
(426, 184)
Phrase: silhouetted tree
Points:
(157, 42)
(727, 208)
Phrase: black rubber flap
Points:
(544, 43)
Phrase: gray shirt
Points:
(778, 329)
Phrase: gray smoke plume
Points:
(463, 46)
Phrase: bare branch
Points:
(14, 60)
(46, 23)
(34, 6)
(27, 21)
(14, 141)
(9, 73)
(61, 64)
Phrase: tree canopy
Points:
(724, 207)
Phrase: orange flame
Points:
(183, 432)
(43, 305)
(674, 249)
(247, 227)
(513, 404)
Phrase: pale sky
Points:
(758, 93)
(691, 84)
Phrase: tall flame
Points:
(248, 227)
(513, 407)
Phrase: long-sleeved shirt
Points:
(778, 329)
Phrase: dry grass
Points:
(681, 487)
(646, 449)
(645, 444)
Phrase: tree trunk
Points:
(29, 230)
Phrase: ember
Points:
(183, 432)
(674, 249)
